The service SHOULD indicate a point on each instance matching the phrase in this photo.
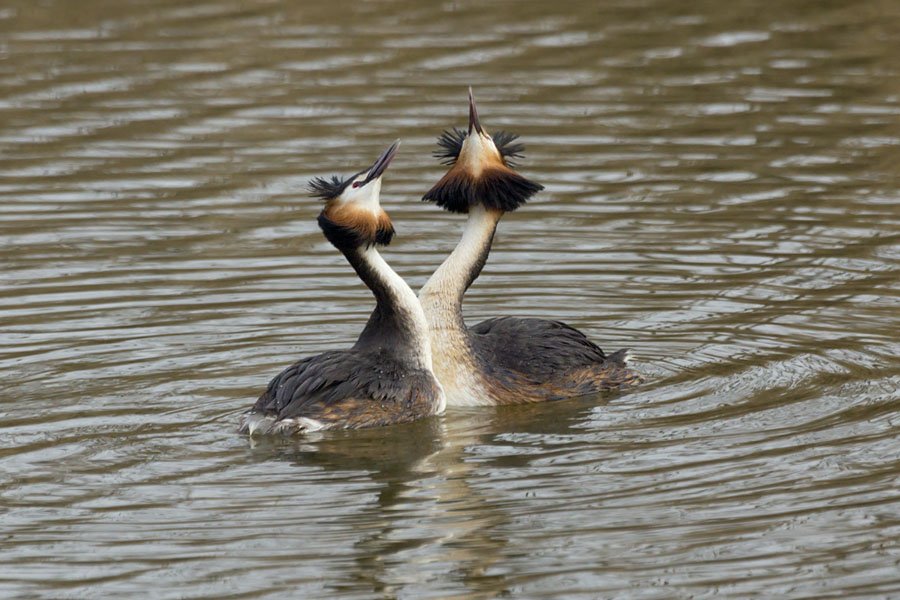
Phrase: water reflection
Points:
(424, 513)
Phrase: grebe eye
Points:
(356, 184)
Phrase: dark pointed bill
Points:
(381, 165)
(473, 114)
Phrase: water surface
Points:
(721, 197)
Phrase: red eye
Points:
(356, 184)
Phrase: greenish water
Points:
(722, 197)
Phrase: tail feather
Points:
(623, 356)
(623, 375)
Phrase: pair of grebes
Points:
(416, 355)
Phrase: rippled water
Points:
(722, 197)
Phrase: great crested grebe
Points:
(504, 360)
(386, 376)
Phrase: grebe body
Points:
(386, 377)
(506, 360)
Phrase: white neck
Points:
(454, 361)
(403, 301)
(442, 294)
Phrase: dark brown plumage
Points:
(497, 187)
(359, 387)
(347, 226)
(537, 360)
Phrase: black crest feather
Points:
(450, 144)
(508, 147)
(499, 189)
(327, 188)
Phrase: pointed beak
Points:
(381, 165)
(473, 115)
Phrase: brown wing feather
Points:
(350, 389)
(535, 360)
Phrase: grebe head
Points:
(480, 169)
(353, 216)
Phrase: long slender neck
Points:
(442, 294)
(398, 323)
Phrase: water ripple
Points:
(721, 196)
